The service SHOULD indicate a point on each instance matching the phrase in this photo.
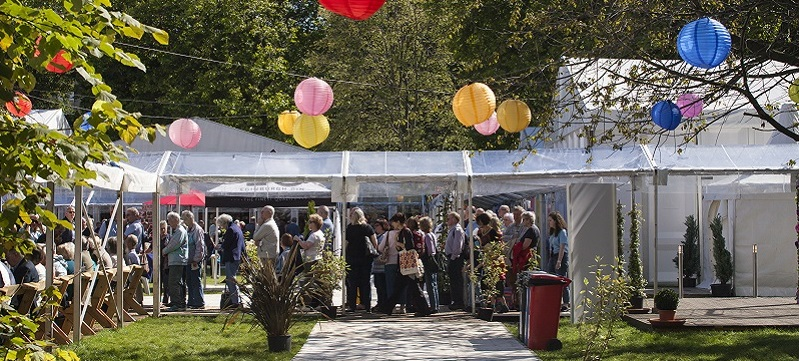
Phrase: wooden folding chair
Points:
(60, 337)
(27, 292)
(132, 278)
(70, 311)
(95, 310)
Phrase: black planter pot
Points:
(637, 302)
(721, 290)
(485, 313)
(329, 311)
(279, 343)
(689, 282)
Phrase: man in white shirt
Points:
(267, 235)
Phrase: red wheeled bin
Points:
(540, 310)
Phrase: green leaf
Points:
(162, 37)
(133, 32)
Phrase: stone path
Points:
(430, 338)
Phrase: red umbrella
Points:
(189, 199)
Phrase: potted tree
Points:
(723, 261)
(635, 269)
(690, 249)
(327, 274)
(274, 298)
(666, 302)
(492, 265)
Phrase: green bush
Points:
(635, 269)
(667, 299)
(723, 258)
(690, 249)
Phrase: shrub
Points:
(690, 249)
(723, 266)
(667, 299)
(635, 270)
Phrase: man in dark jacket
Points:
(233, 250)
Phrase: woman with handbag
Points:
(359, 259)
(403, 242)
(379, 264)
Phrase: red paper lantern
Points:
(185, 133)
(59, 64)
(353, 9)
(20, 106)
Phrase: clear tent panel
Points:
(231, 167)
(492, 165)
(420, 166)
(773, 158)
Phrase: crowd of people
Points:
(372, 254)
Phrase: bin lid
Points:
(545, 279)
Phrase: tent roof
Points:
(52, 118)
(218, 137)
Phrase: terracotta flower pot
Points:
(667, 315)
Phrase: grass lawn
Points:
(188, 338)
(632, 344)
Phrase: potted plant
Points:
(723, 261)
(666, 302)
(327, 274)
(690, 251)
(492, 265)
(274, 298)
(635, 269)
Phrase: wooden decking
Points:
(729, 313)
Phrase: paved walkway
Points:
(430, 338)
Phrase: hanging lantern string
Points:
(172, 117)
(296, 75)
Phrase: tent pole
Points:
(471, 246)
(177, 198)
(119, 215)
(206, 228)
(343, 207)
(216, 243)
(700, 221)
(77, 281)
(49, 251)
(156, 244)
(655, 223)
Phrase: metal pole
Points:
(119, 215)
(206, 228)
(679, 269)
(754, 269)
(77, 281)
(471, 249)
(156, 255)
(655, 228)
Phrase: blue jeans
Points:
(231, 270)
(431, 281)
(392, 273)
(176, 286)
(195, 287)
(562, 271)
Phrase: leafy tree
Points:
(31, 37)
(400, 86)
(620, 235)
(690, 248)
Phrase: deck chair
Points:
(95, 310)
(69, 312)
(59, 336)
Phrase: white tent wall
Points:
(676, 200)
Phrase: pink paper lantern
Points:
(313, 96)
(185, 133)
(690, 105)
(489, 126)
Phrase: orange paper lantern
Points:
(285, 121)
(514, 116)
(20, 106)
(474, 104)
(311, 130)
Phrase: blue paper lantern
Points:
(704, 43)
(85, 125)
(666, 115)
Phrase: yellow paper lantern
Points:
(474, 104)
(793, 91)
(310, 131)
(285, 121)
(514, 116)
